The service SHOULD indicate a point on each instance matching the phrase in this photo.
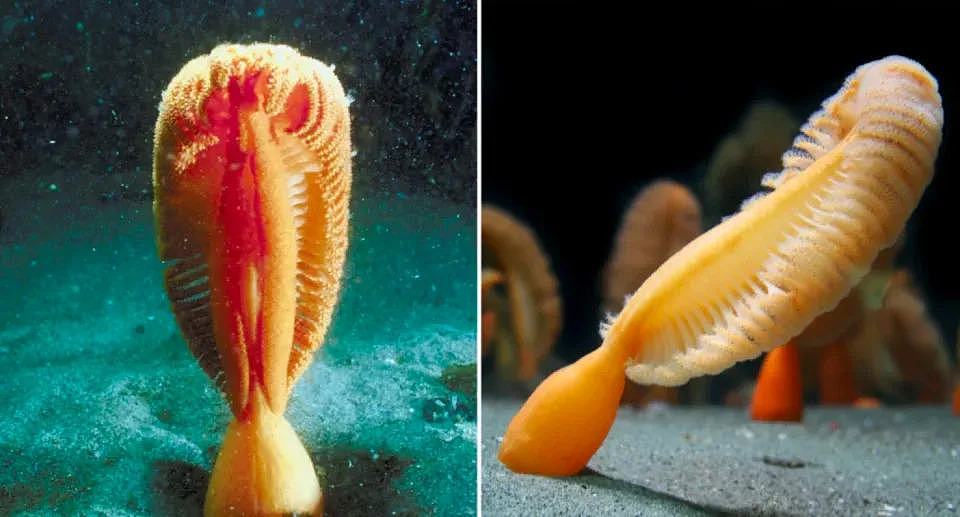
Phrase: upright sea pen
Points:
(252, 186)
(850, 181)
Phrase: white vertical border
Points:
(479, 66)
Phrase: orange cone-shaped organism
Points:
(849, 184)
(252, 185)
(836, 377)
(779, 393)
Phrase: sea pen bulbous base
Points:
(263, 469)
(566, 419)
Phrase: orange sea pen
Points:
(852, 178)
(534, 309)
(252, 184)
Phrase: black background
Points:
(583, 104)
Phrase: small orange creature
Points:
(779, 392)
(755, 281)
(252, 185)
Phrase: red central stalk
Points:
(240, 217)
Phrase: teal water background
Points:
(106, 411)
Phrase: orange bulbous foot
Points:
(779, 393)
(263, 469)
(566, 419)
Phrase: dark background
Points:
(584, 105)
(80, 83)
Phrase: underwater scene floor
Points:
(710, 460)
(106, 412)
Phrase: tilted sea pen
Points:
(252, 186)
(850, 181)
(534, 312)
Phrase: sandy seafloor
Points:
(105, 411)
(713, 460)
